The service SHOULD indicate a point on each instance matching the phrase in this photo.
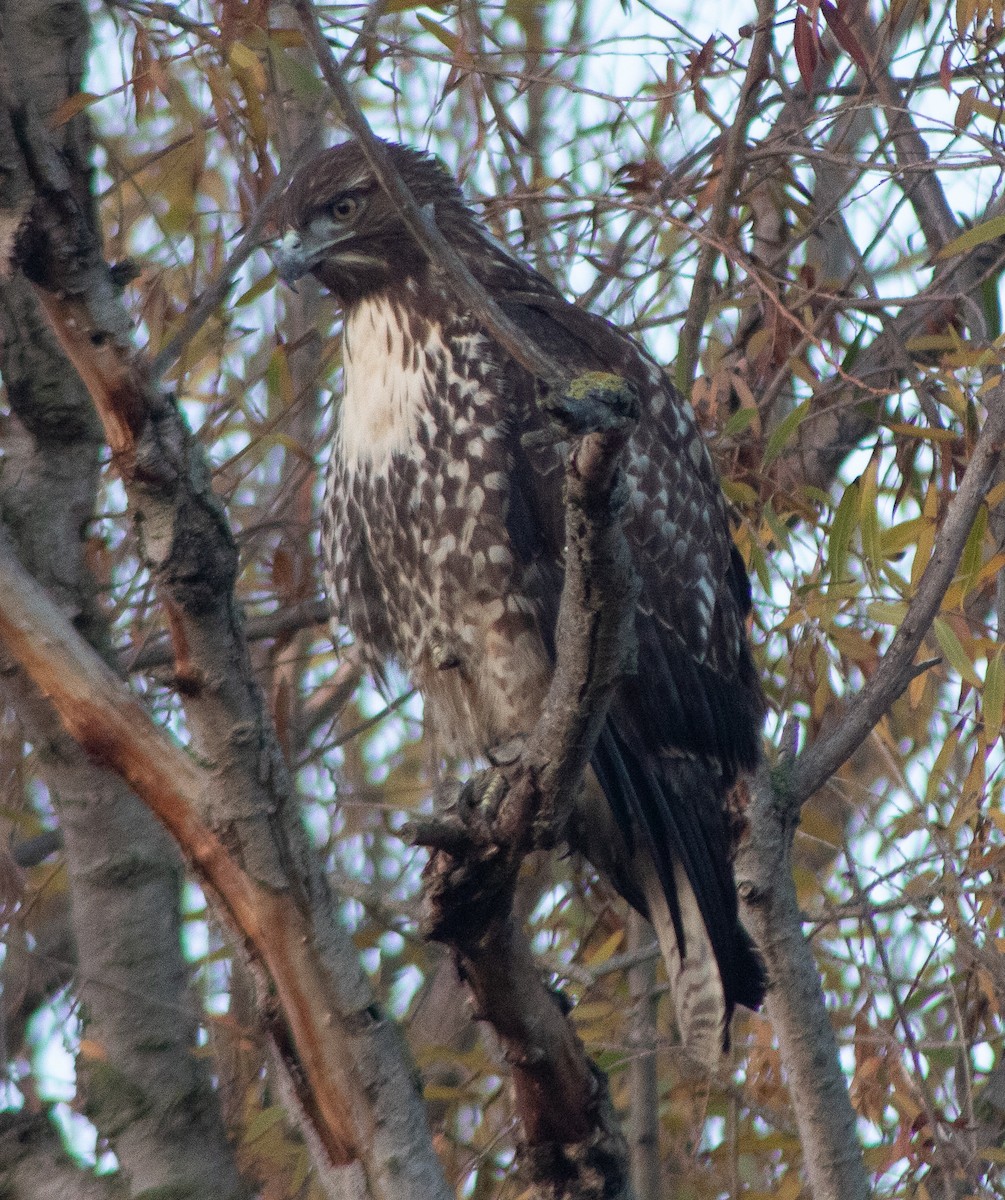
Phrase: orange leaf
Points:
(946, 71)
(70, 107)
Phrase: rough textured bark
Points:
(191, 554)
(572, 1146)
(643, 1079)
(795, 1002)
(143, 1086)
(338, 1063)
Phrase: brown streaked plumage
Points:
(442, 536)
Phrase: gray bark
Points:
(142, 1084)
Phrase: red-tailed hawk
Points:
(442, 536)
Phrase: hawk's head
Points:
(344, 228)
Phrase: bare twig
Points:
(278, 624)
(113, 726)
(214, 295)
(733, 166)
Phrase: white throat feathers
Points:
(388, 384)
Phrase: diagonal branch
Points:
(216, 292)
(356, 1087)
(732, 171)
(819, 762)
(113, 727)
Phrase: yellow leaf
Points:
(925, 432)
(926, 543)
(886, 613)
(899, 537)
(242, 57)
(606, 948)
(440, 32)
(739, 493)
(257, 289)
(940, 767)
(594, 1010)
(986, 231)
(71, 106)
(93, 1050)
(994, 112)
(440, 1091)
(262, 1121)
(802, 370)
(926, 343)
(916, 690)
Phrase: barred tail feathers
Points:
(695, 984)
(667, 816)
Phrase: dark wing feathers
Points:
(682, 727)
(696, 690)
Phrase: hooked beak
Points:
(296, 254)
(300, 250)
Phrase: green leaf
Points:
(886, 612)
(956, 656)
(400, 6)
(784, 430)
(779, 530)
(993, 699)
(845, 520)
(257, 289)
(868, 517)
(301, 80)
(739, 421)
(972, 558)
(986, 231)
(940, 768)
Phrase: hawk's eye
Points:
(344, 209)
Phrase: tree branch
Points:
(359, 1091)
(795, 1001)
(819, 762)
(112, 726)
(572, 1143)
(216, 292)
